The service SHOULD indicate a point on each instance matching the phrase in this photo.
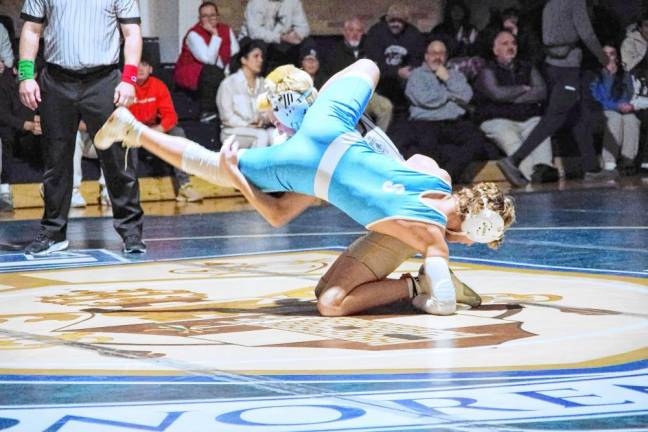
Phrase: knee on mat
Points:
(329, 302)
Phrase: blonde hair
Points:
(287, 78)
(474, 198)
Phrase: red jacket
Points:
(188, 68)
(153, 104)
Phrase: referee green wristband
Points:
(25, 70)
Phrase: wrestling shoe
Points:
(440, 301)
(463, 293)
(120, 126)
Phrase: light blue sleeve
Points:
(338, 108)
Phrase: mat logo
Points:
(600, 401)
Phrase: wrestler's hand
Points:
(30, 93)
(124, 94)
(229, 163)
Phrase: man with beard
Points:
(397, 47)
(509, 95)
(437, 98)
(345, 53)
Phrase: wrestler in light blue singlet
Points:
(329, 159)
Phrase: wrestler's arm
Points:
(278, 211)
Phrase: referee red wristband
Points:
(129, 74)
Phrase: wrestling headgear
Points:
(484, 226)
(290, 107)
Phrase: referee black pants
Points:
(566, 102)
(66, 100)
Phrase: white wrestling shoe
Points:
(120, 126)
(440, 301)
(431, 305)
(463, 293)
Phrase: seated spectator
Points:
(346, 52)
(528, 40)
(438, 98)
(634, 55)
(18, 124)
(237, 101)
(456, 31)
(282, 24)
(153, 107)
(206, 52)
(309, 61)
(397, 47)
(613, 89)
(509, 95)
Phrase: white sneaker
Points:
(77, 199)
(120, 126)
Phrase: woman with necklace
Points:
(236, 101)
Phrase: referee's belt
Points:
(87, 74)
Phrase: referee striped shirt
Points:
(81, 34)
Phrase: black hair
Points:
(207, 3)
(510, 12)
(246, 47)
(447, 14)
(618, 85)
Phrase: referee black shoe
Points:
(43, 245)
(133, 244)
(511, 172)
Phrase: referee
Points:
(81, 81)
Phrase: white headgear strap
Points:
(483, 227)
(290, 107)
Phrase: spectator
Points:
(438, 97)
(564, 24)
(153, 107)
(529, 46)
(6, 52)
(456, 31)
(237, 101)
(614, 90)
(397, 47)
(81, 81)
(346, 52)
(309, 61)
(282, 24)
(207, 49)
(18, 124)
(509, 95)
(634, 50)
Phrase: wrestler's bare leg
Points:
(122, 126)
